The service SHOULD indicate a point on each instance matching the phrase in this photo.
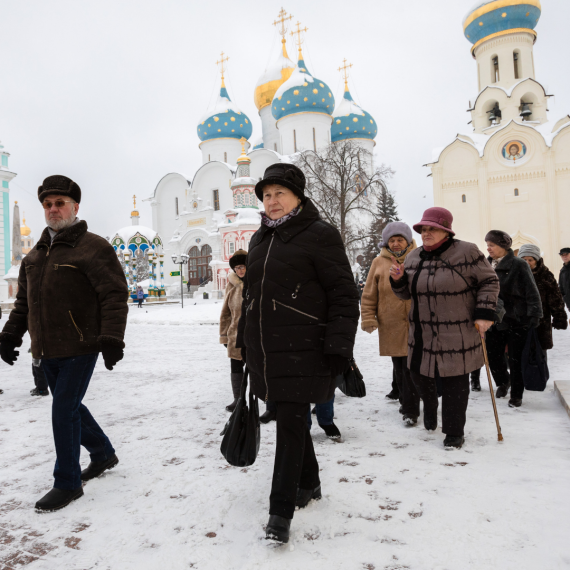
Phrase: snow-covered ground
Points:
(393, 497)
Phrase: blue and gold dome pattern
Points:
(491, 18)
(302, 93)
(224, 121)
(352, 122)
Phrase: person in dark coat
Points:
(523, 310)
(298, 326)
(72, 299)
(554, 314)
(453, 290)
(564, 278)
(140, 295)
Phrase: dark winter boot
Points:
(393, 395)
(515, 403)
(454, 441)
(503, 390)
(268, 416)
(278, 529)
(96, 468)
(38, 392)
(304, 496)
(331, 430)
(237, 378)
(430, 420)
(475, 385)
(410, 420)
(57, 499)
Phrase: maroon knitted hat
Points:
(436, 218)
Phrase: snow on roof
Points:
(298, 79)
(128, 232)
(243, 216)
(243, 180)
(13, 272)
(347, 107)
(476, 6)
(222, 105)
(273, 71)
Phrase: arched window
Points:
(225, 156)
(516, 191)
(495, 76)
(464, 198)
(516, 63)
(314, 140)
(176, 205)
(295, 140)
(275, 147)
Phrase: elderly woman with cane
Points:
(382, 310)
(298, 325)
(453, 291)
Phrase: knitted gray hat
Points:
(396, 229)
(529, 250)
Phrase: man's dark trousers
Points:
(73, 425)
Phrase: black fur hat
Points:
(287, 175)
(500, 238)
(62, 185)
(238, 258)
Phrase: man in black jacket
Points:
(72, 299)
(564, 279)
(523, 310)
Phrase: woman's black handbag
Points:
(242, 434)
(534, 368)
(352, 382)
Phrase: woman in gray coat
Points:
(453, 289)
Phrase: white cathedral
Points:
(512, 171)
(213, 215)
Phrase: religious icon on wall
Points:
(514, 150)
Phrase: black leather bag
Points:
(352, 382)
(242, 436)
(534, 368)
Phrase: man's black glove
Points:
(338, 364)
(534, 322)
(111, 355)
(244, 354)
(8, 352)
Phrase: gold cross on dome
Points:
(344, 70)
(221, 64)
(281, 21)
(243, 140)
(299, 40)
(134, 202)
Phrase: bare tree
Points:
(344, 187)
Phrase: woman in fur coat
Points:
(382, 310)
(231, 312)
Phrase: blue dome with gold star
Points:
(225, 120)
(302, 93)
(492, 18)
(352, 122)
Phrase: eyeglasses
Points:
(59, 204)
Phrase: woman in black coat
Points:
(297, 330)
(523, 311)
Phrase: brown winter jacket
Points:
(72, 296)
(450, 288)
(231, 312)
(554, 314)
(381, 308)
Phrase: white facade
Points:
(512, 173)
(304, 131)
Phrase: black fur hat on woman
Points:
(238, 258)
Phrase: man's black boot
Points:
(96, 468)
(304, 496)
(268, 416)
(278, 529)
(57, 499)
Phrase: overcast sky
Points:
(109, 92)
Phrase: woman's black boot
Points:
(278, 529)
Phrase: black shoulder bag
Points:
(351, 383)
(241, 433)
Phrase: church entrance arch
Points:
(199, 270)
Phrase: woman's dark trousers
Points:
(455, 397)
(497, 341)
(409, 397)
(73, 425)
(325, 415)
(295, 461)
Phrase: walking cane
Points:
(499, 434)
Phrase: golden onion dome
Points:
(273, 77)
(25, 231)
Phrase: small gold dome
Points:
(25, 231)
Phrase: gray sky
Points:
(109, 92)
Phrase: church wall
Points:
(225, 150)
(168, 190)
(211, 177)
(260, 160)
(297, 133)
(271, 139)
